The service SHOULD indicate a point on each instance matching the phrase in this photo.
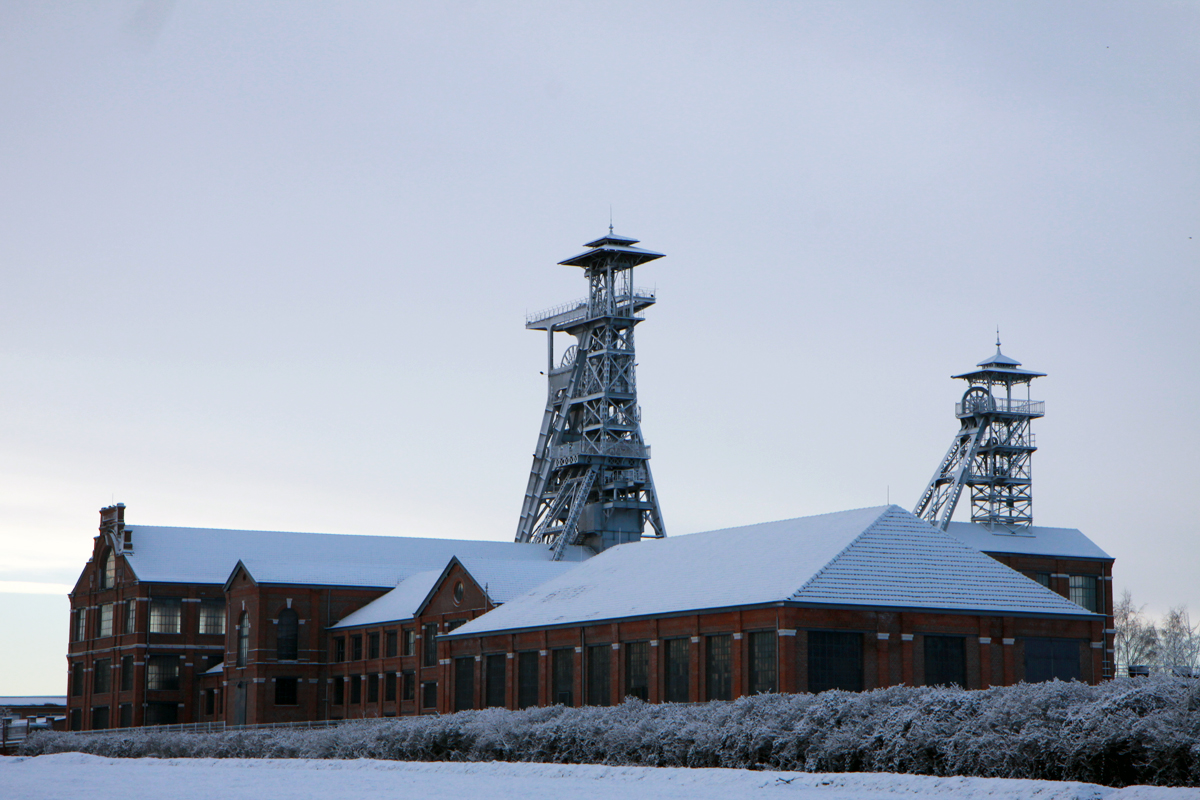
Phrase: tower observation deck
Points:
(992, 451)
(590, 483)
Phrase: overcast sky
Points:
(266, 265)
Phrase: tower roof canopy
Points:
(1001, 367)
(609, 245)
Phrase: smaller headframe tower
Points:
(992, 450)
(590, 483)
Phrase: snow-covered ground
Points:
(71, 775)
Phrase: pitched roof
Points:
(208, 555)
(877, 557)
(503, 579)
(1027, 540)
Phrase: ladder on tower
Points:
(583, 487)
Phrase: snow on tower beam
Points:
(590, 482)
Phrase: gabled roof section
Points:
(903, 561)
(881, 557)
(1034, 540)
(403, 602)
(207, 555)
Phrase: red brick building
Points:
(193, 625)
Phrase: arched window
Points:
(243, 639)
(108, 572)
(286, 645)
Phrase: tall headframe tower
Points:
(590, 483)
(992, 450)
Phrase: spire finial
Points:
(997, 338)
(610, 231)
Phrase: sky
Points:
(266, 266)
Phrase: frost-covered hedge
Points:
(1144, 731)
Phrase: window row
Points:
(402, 642)
(165, 616)
(162, 674)
(366, 689)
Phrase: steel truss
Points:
(590, 483)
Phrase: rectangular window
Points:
(356, 647)
(210, 702)
(126, 674)
(373, 645)
(835, 661)
(494, 680)
(429, 644)
(131, 616)
(408, 686)
(76, 719)
(99, 718)
(166, 615)
(126, 715)
(429, 694)
(77, 680)
(562, 672)
(101, 675)
(356, 682)
(1041, 577)
(599, 689)
(212, 617)
(162, 673)
(454, 623)
(339, 691)
(287, 691)
(105, 624)
(410, 642)
(389, 687)
(464, 683)
(760, 647)
(637, 670)
(1047, 659)
(945, 661)
(527, 679)
(339, 649)
(162, 713)
(372, 688)
(81, 625)
(718, 667)
(1083, 592)
(390, 646)
(677, 670)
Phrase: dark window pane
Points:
(527, 679)
(287, 642)
(761, 653)
(1083, 592)
(162, 673)
(599, 690)
(494, 686)
(339, 691)
(1047, 659)
(373, 645)
(356, 647)
(410, 642)
(429, 694)
(287, 691)
(126, 674)
(356, 682)
(126, 716)
(677, 669)
(99, 718)
(243, 640)
(835, 661)
(372, 688)
(410, 686)
(718, 667)
(637, 670)
(563, 672)
(76, 719)
(464, 683)
(162, 713)
(945, 661)
(390, 648)
(76, 679)
(389, 687)
(429, 644)
(210, 702)
(339, 649)
(101, 676)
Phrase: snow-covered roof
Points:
(878, 557)
(503, 579)
(1029, 540)
(216, 669)
(35, 700)
(208, 555)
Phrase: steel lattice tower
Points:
(992, 450)
(590, 483)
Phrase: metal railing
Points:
(618, 449)
(221, 727)
(578, 309)
(1001, 405)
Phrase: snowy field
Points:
(69, 775)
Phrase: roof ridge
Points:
(840, 553)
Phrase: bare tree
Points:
(1179, 642)
(1136, 641)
